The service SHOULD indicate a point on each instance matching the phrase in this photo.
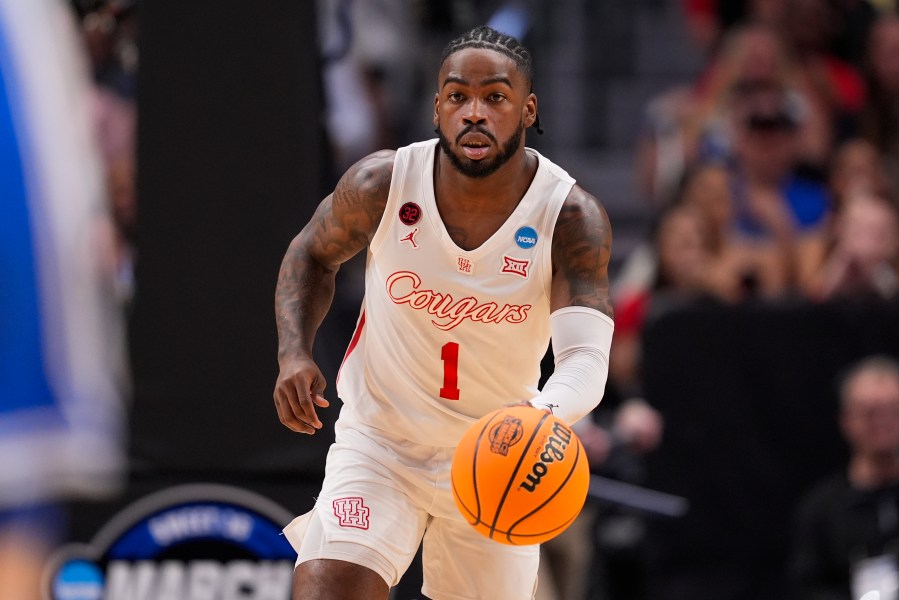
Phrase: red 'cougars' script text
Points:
(403, 288)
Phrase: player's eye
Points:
(496, 97)
(455, 97)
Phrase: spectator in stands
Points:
(778, 211)
(847, 528)
(879, 120)
(756, 54)
(864, 257)
(688, 123)
(681, 254)
(706, 186)
(121, 188)
(811, 28)
(857, 167)
(109, 34)
(737, 270)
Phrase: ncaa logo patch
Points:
(526, 237)
(410, 213)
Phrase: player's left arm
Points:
(582, 316)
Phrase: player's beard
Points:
(478, 169)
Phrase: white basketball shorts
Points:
(381, 498)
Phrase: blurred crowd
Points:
(109, 32)
(773, 177)
(774, 173)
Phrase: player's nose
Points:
(474, 112)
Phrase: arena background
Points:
(232, 158)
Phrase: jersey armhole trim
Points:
(400, 163)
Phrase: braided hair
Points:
(490, 39)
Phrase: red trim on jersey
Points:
(356, 335)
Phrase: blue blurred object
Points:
(512, 18)
(63, 370)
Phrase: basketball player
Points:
(478, 250)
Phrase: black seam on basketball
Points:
(549, 532)
(474, 469)
(462, 505)
(510, 533)
(514, 474)
(559, 528)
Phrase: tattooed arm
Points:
(343, 224)
(582, 247)
(581, 319)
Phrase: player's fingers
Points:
(285, 415)
(289, 411)
(306, 409)
(321, 401)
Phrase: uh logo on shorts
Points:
(351, 512)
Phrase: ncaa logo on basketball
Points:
(184, 543)
(505, 434)
(526, 237)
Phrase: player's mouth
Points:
(475, 147)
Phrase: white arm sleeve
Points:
(581, 340)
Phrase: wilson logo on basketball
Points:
(505, 434)
(403, 287)
(553, 450)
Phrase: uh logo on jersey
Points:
(193, 542)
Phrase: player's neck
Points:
(472, 209)
(499, 192)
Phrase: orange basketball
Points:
(520, 475)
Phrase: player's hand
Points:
(297, 392)
(546, 409)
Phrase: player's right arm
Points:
(343, 224)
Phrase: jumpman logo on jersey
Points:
(410, 237)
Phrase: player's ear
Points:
(530, 111)
(436, 107)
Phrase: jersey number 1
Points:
(450, 356)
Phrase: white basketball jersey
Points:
(447, 335)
